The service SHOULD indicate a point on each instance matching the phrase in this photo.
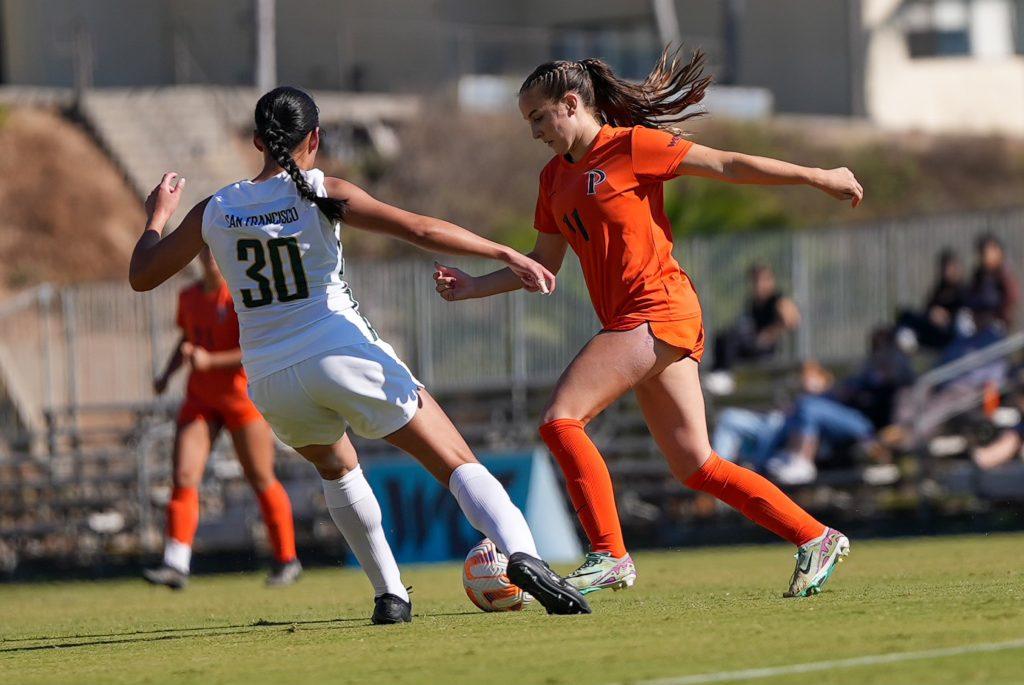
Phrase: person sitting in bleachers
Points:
(935, 326)
(851, 414)
(993, 287)
(766, 318)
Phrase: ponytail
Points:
(662, 99)
(284, 117)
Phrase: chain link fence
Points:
(101, 344)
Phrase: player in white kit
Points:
(315, 365)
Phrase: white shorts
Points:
(364, 385)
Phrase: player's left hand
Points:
(452, 284)
(843, 185)
(164, 199)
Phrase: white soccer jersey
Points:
(282, 259)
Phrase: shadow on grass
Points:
(158, 634)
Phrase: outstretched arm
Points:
(157, 258)
(428, 233)
(455, 284)
(735, 167)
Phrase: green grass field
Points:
(694, 612)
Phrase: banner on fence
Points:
(424, 523)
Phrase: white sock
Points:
(488, 507)
(177, 555)
(356, 512)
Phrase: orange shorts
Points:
(685, 334)
(232, 411)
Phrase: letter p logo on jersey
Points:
(595, 177)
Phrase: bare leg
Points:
(673, 406)
(192, 444)
(254, 445)
(609, 365)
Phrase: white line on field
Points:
(868, 660)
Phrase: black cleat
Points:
(284, 574)
(547, 587)
(389, 609)
(165, 575)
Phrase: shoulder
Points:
(645, 135)
(547, 174)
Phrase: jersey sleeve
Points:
(543, 217)
(656, 153)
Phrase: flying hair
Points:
(284, 117)
(664, 98)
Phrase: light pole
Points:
(266, 49)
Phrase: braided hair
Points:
(284, 117)
(662, 99)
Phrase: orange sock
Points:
(756, 498)
(277, 515)
(183, 515)
(588, 482)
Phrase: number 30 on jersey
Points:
(252, 250)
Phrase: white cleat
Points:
(602, 571)
(816, 561)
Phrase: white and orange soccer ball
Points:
(486, 581)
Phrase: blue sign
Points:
(422, 520)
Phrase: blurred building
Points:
(929, 64)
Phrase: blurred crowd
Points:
(874, 411)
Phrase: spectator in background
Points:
(935, 327)
(993, 287)
(767, 317)
(850, 414)
(922, 417)
(1004, 449)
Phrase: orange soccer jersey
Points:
(208, 320)
(610, 207)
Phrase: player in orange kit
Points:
(602, 194)
(217, 397)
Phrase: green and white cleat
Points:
(816, 562)
(601, 571)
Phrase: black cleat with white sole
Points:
(550, 589)
(389, 609)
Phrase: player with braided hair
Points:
(602, 195)
(315, 365)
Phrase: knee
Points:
(687, 458)
(260, 480)
(556, 411)
(186, 477)
(328, 464)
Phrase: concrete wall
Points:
(802, 51)
(982, 92)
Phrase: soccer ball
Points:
(486, 582)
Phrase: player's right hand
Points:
(535, 278)
(164, 199)
(452, 284)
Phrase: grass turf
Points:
(692, 612)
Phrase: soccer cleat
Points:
(166, 575)
(389, 609)
(550, 589)
(601, 571)
(816, 561)
(284, 574)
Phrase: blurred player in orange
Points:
(217, 397)
(602, 195)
